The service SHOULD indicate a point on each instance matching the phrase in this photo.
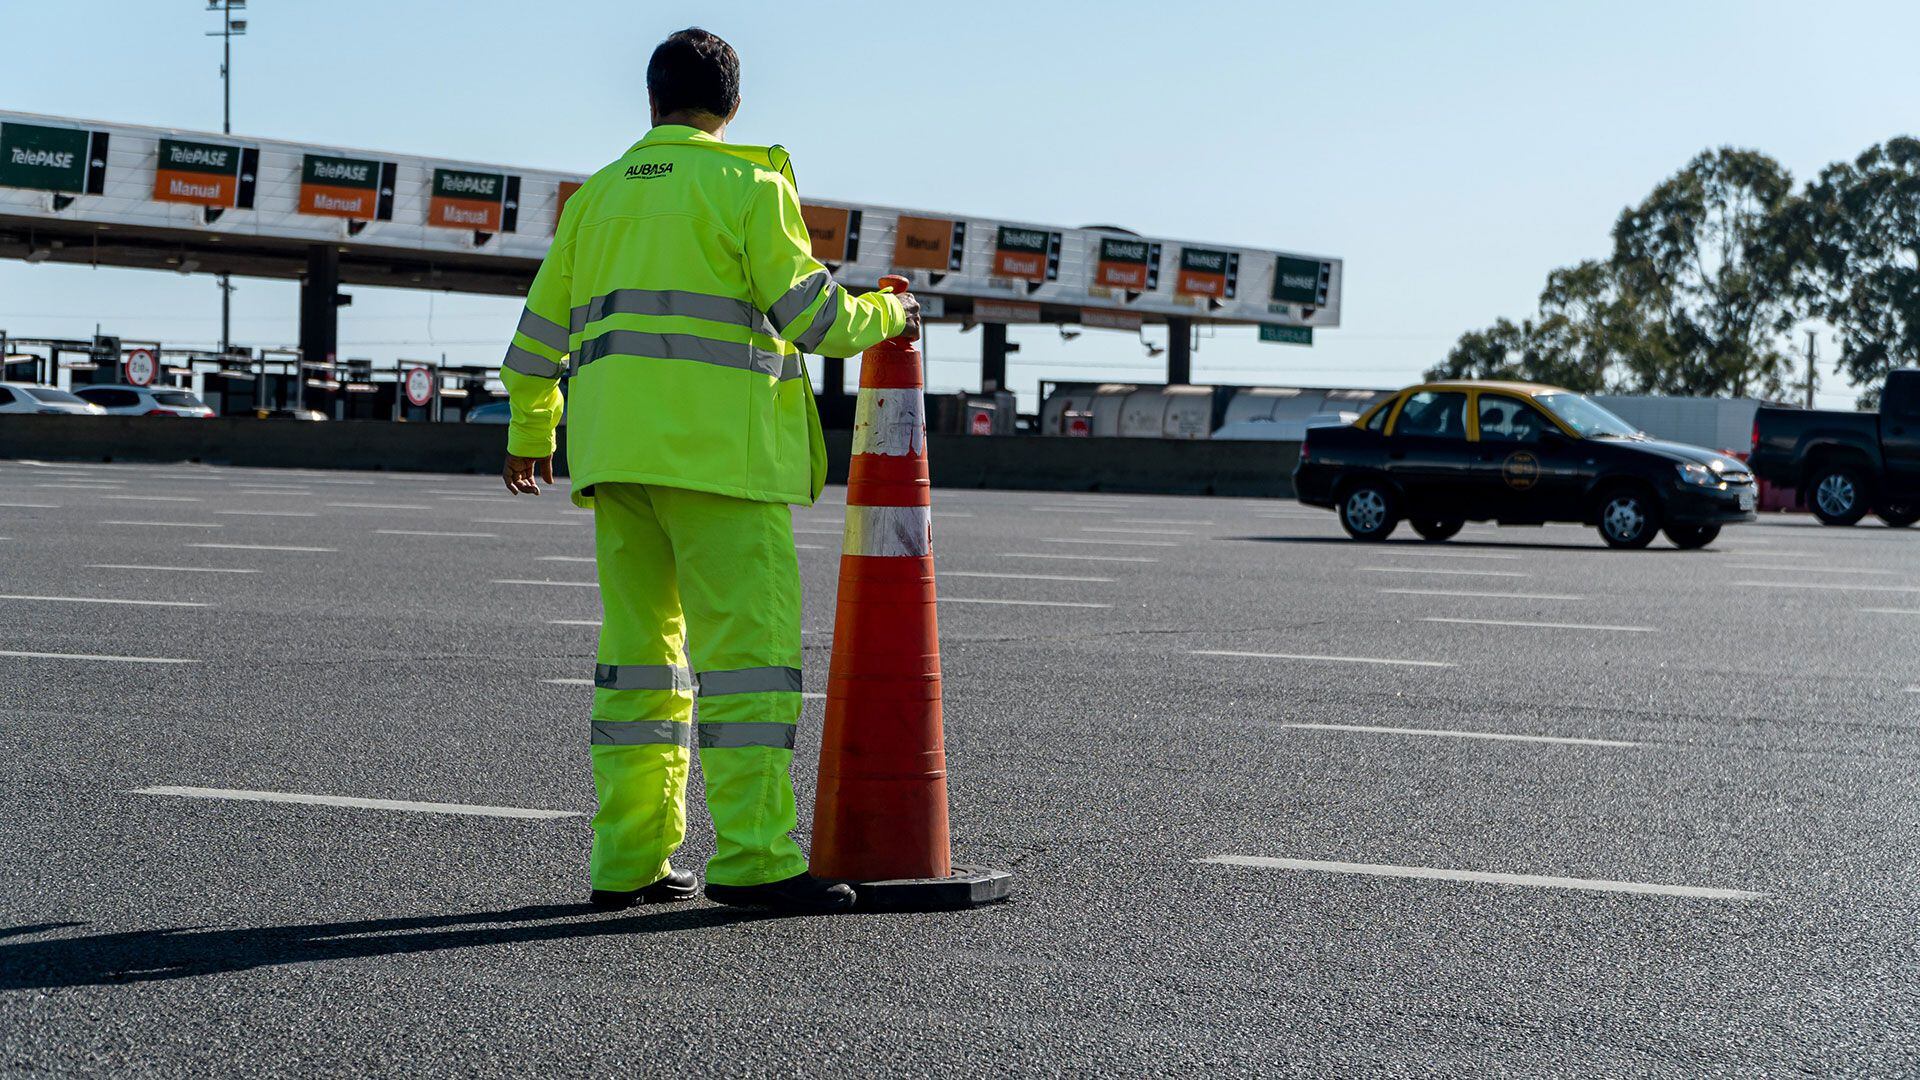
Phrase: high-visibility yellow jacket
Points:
(679, 293)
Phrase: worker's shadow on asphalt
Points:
(187, 952)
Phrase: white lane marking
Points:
(424, 532)
(268, 513)
(475, 498)
(1891, 611)
(1138, 532)
(1442, 733)
(1527, 880)
(357, 804)
(1546, 625)
(94, 656)
(1811, 569)
(378, 506)
(1333, 659)
(810, 547)
(1158, 521)
(179, 569)
(262, 547)
(1023, 577)
(103, 600)
(1115, 543)
(1418, 554)
(568, 682)
(573, 622)
(168, 524)
(272, 491)
(531, 581)
(1078, 558)
(1830, 587)
(30, 506)
(1441, 570)
(816, 531)
(1020, 603)
(324, 480)
(525, 521)
(153, 498)
(87, 485)
(1489, 595)
(565, 558)
(1071, 510)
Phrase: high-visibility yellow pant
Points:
(673, 561)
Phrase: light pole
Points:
(230, 28)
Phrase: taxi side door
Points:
(1526, 467)
(1428, 454)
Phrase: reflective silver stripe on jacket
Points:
(638, 343)
(753, 680)
(888, 530)
(640, 732)
(528, 362)
(692, 305)
(799, 298)
(738, 733)
(642, 677)
(823, 321)
(543, 330)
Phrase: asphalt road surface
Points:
(1277, 802)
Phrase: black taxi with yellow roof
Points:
(1440, 454)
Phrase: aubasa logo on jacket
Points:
(651, 170)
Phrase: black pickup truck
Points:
(1844, 464)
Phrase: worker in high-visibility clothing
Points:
(678, 296)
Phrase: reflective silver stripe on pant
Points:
(640, 344)
(753, 680)
(527, 362)
(823, 321)
(693, 305)
(799, 298)
(543, 330)
(641, 677)
(640, 732)
(729, 735)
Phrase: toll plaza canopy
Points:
(103, 194)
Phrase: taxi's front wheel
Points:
(1629, 518)
(1368, 511)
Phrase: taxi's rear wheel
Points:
(1369, 511)
(1689, 537)
(1437, 529)
(1899, 515)
(1629, 518)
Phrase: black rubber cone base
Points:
(967, 887)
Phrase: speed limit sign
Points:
(143, 367)
(419, 386)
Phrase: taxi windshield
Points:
(1584, 416)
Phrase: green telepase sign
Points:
(1286, 335)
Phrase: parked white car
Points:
(35, 398)
(145, 401)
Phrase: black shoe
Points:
(799, 893)
(678, 885)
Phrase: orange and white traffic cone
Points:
(880, 818)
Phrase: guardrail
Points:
(1012, 462)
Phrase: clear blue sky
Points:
(1452, 154)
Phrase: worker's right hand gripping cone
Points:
(880, 819)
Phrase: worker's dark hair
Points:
(694, 70)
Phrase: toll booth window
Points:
(1434, 414)
(1509, 420)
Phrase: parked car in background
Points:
(1441, 454)
(493, 412)
(145, 401)
(1844, 464)
(48, 400)
(289, 414)
(1282, 430)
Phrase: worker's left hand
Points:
(520, 471)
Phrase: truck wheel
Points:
(1369, 511)
(1899, 515)
(1688, 537)
(1629, 518)
(1435, 530)
(1839, 496)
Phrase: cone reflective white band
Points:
(888, 530)
(891, 423)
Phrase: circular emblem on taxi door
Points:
(1521, 470)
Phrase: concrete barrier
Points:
(1012, 462)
